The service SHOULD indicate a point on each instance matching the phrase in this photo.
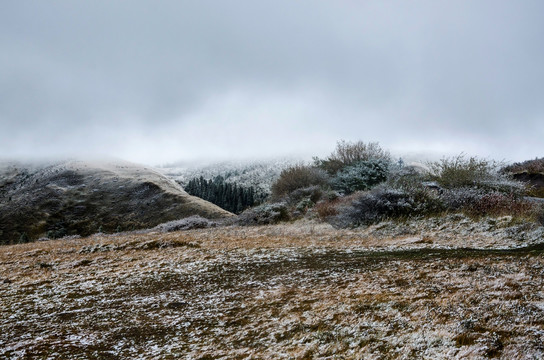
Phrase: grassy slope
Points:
(77, 197)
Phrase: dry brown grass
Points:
(298, 291)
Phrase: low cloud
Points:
(175, 80)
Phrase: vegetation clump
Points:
(362, 175)
(351, 167)
(476, 187)
(265, 214)
(298, 177)
(382, 203)
(461, 171)
(531, 173)
(350, 153)
(188, 223)
(535, 166)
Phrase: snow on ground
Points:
(294, 291)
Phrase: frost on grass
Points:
(271, 292)
(188, 223)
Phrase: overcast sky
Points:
(160, 81)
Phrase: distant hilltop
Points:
(84, 197)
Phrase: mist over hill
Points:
(84, 197)
(260, 174)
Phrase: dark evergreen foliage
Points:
(226, 195)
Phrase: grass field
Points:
(272, 292)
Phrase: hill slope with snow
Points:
(82, 197)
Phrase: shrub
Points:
(461, 171)
(350, 153)
(361, 176)
(191, 222)
(461, 198)
(384, 203)
(303, 205)
(535, 191)
(498, 204)
(58, 231)
(535, 166)
(298, 177)
(264, 214)
(531, 173)
(326, 209)
(313, 193)
(478, 202)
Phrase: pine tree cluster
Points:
(226, 195)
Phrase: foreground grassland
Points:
(297, 291)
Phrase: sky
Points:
(164, 81)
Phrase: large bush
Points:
(351, 153)
(384, 203)
(477, 202)
(498, 204)
(298, 177)
(361, 176)
(462, 171)
(535, 166)
(461, 198)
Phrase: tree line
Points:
(227, 195)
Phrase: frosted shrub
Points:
(478, 202)
(303, 206)
(312, 193)
(535, 166)
(361, 176)
(385, 203)
(264, 214)
(497, 204)
(461, 171)
(327, 209)
(531, 173)
(192, 222)
(298, 177)
(350, 153)
(461, 198)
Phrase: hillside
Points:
(259, 174)
(83, 197)
(531, 172)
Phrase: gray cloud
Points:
(158, 81)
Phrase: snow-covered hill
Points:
(84, 197)
(259, 174)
